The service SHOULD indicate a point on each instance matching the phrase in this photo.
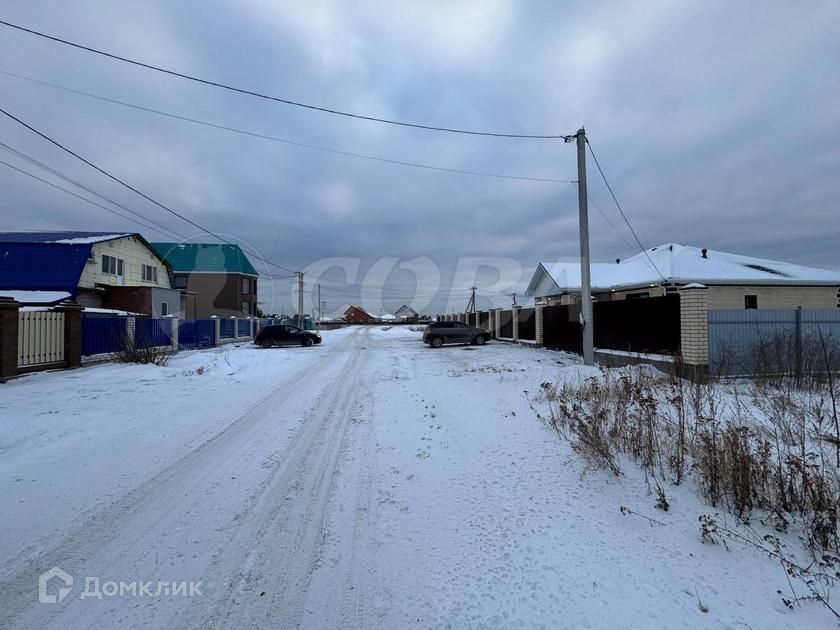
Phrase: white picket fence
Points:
(40, 338)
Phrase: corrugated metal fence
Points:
(40, 338)
(756, 341)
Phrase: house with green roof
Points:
(219, 280)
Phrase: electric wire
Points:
(278, 99)
(135, 190)
(624, 216)
(23, 156)
(286, 141)
(85, 199)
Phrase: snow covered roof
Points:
(66, 237)
(678, 264)
(36, 298)
(360, 309)
(405, 310)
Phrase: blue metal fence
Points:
(196, 333)
(244, 328)
(150, 333)
(751, 341)
(102, 335)
(227, 328)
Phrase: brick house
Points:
(358, 315)
(731, 281)
(219, 276)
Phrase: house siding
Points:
(355, 316)
(134, 254)
(723, 296)
(220, 293)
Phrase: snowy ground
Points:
(369, 482)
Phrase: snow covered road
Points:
(368, 482)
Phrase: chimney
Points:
(703, 252)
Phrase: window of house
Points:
(638, 296)
(164, 309)
(246, 285)
(149, 273)
(751, 301)
(112, 265)
(180, 282)
(246, 308)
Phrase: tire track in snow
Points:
(267, 567)
(149, 504)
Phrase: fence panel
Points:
(243, 328)
(102, 335)
(196, 333)
(527, 324)
(773, 341)
(561, 328)
(40, 337)
(641, 325)
(484, 320)
(506, 324)
(227, 328)
(152, 333)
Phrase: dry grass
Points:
(761, 449)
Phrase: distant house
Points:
(219, 276)
(406, 314)
(97, 269)
(358, 315)
(733, 281)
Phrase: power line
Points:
(135, 190)
(262, 136)
(85, 199)
(278, 99)
(69, 180)
(623, 216)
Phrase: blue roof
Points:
(53, 237)
(42, 266)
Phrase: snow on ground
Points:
(370, 481)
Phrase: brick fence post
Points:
(498, 323)
(217, 331)
(72, 333)
(694, 327)
(490, 327)
(514, 313)
(538, 325)
(9, 324)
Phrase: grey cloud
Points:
(717, 125)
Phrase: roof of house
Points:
(36, 298)
(42, 266)
(405, 307)
(66, 237)
(360, 309)
(205, 258)
(677, 264)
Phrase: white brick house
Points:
(731, 280)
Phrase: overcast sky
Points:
(717, 124)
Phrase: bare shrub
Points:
(141, 350)
(760, 446)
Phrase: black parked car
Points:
(285, 335)
(438, 333)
